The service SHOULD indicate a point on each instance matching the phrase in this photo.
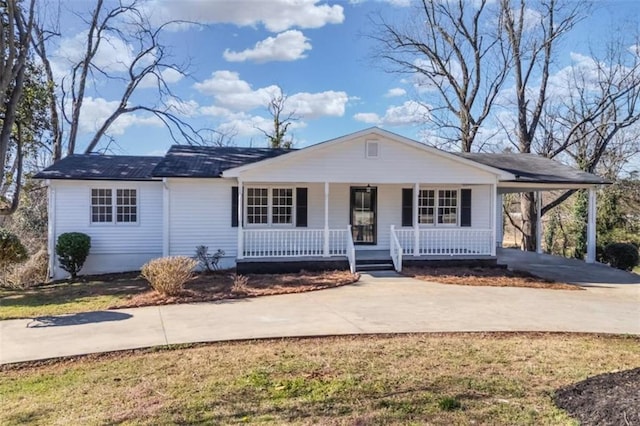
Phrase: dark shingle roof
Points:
(534, 168)
(101, 167)
(207, 161)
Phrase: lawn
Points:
(407, 379)
(129, 290)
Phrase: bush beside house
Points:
(72, 249)
(168, 275)
(623, 256)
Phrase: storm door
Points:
(363, 214)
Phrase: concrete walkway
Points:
(384, 303)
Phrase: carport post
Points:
(591, 227)
(539, 222)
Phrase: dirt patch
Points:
(494, 277)
(219, 286)
(607, 399)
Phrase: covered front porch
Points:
(340, 224)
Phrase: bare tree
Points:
(459, 53)
(533, 34)
(597, 120)
(150, 61)
(15, 39)
(281, 118)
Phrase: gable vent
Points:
(371, 149)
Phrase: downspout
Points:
(165, 217)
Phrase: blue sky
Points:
(317, 52)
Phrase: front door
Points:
(363, 214)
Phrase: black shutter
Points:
(301, 207)
(234, 206)
(407, 207)
(465, 207)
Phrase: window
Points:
(448, 207)
(426, 206)
(270, 206)
(126, 205)
(101, 206)
(257, 206)
(282, 206)
(103, 200)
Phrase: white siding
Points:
(481, 214)
(346, 162)
(114, 247)
(200, 214)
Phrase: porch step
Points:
(363, 267)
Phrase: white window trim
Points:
(114, 206)
(269, 224)
(437, 205)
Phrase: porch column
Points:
(165, 217)
(539, 222)
(416, 225)
(499, 231)
(591, 227)
(240, 220)
(325, 248)
(494, 209)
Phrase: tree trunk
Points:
(528, 210)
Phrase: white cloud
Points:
(287, 46)
(184, 108)
(313, 105)
(96, 110)
(367, 117)
(231, 94)
(252, 125)
(169, 75)
(410, 112)
(395, 92)
(114, 54)
(275, 15)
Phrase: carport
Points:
(538, 174)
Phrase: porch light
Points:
(368, 188)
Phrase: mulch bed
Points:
(220, 286)
(485, 276)
(606, 400)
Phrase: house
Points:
(371, 196)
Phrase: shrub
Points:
(28, 274)
(208, 261)
(72, 250)
(621, 255)
(168, 275)
(11, 249)
(240, 284)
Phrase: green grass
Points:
(453, 379)
(68, 297)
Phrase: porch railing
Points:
(446, 242)
(395, 250)
(293, 242)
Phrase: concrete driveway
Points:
(384, 303)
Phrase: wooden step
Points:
(374, 267)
